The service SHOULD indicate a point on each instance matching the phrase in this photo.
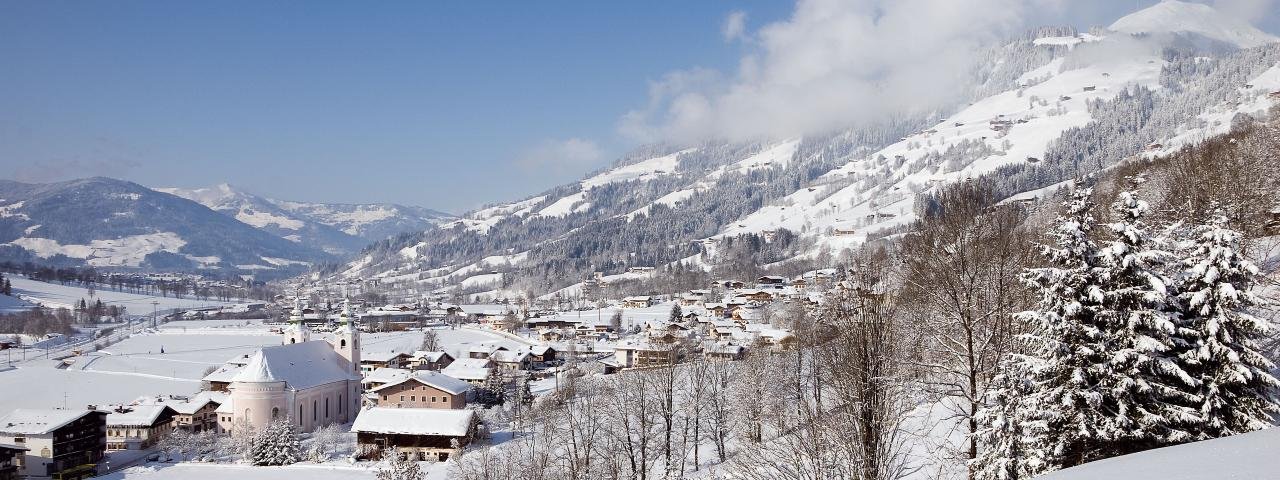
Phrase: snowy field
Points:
(56, 296)
(199, 471)
(13, 304)
(630, 316)
(1246, 456)
(40, 385)
(455, 342)
(185, 357)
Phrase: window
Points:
(413, 398)
(275, 413)
(402, 398)
(315, 412)
(339, 403)
(343, 343)
(433, 399)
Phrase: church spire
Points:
(297, 331)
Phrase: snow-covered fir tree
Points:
(1216, 296)
(1146, 390)
(277, 444)
(396, 467)
(1066, 363)
(1003, 453)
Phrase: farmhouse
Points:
(415, 433)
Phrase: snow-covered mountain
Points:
(1184, 18)
(1041, 109)
(339, 229)
(113, 223)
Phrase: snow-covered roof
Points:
(415, 421)
(300, 365)
(386, 375)
(468, 368)
(428, 356)
(437, 380)
(507, 356)
(540, 349)
(138, 415)
(31, 421)
(638, 298)
(224, 373)
(381, 356)
(185, 405)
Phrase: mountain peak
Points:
(1174, 16)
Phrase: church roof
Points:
(300, 365)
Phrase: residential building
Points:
(434, 361)
(138, 427)
(640, 301)
(471, 370)
(11, 461)
(375, 360)
(423, 389)
(66, 444)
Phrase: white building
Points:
(312, 382)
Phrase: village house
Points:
(383, 376)
(375, 360)
(63, 443)
(771, 281)
(542, 356)
(471, 370)
(423, 389)
(512, 360)
(639, 301)
(484, 350)
(724, 350)
(422, 434)
(434, 361)
(313, 382)
(642, 352)
(10, 460)
(715, 309)
(193, 414)
(138, 427)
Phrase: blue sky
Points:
(445, 105)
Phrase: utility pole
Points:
(154, 306)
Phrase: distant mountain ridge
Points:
(338, 229)
(106, 222)
(112, 223)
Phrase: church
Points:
(312, 382)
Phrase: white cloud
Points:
(573, 154)
(1248, 10)
(735, 26)
(833, 63)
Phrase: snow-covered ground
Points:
(53, 295)
(1253, 455)
(10, 304)
(202, 471)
